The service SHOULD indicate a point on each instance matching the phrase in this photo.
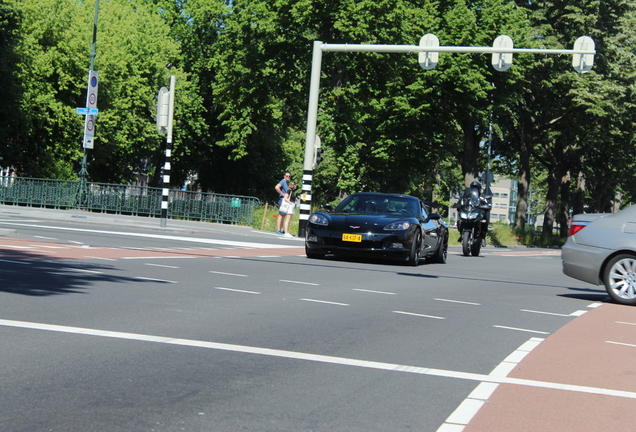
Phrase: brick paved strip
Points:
(18, 249)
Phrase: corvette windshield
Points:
(378, 204)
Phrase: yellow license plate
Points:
(352, 237)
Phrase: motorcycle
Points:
(472, 219)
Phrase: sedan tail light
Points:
(576, 227)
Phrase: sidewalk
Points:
(172, 225)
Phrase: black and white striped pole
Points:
(165, 111)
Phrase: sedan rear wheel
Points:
(620, 279)
(416, 246)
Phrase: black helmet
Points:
(476, 184)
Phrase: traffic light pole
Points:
(165, 193)
(310, 139)
(428, 49)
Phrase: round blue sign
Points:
(94, 81)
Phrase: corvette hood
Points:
(361, 222)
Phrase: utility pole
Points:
(428, 51)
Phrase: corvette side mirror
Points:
(434, 216)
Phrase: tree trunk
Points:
(554, 186)
(564, 209)
(579, 199)
(616, 203)
(470, 169)
(525, 151)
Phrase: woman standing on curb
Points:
(291, 199)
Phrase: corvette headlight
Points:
(319, 219)
(397, 226)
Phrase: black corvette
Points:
(387, 225)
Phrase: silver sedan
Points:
(601, 249)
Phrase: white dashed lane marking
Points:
(237, 290)
(419, 315)
(228, 274)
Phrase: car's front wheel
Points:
(466, 239)
(620, 279)
(416, 247)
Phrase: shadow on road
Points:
(32, 274)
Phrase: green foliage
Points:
(243, 69)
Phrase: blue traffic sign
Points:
(87, 111)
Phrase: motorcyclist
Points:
(476, 184)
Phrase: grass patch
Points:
(501, 234)
(268, 223)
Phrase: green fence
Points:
(127, 200)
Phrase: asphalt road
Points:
(114, 324)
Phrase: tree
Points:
(132, 51)
(10, 91)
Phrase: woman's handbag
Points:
(284, 207)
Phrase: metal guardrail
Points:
(127, 200)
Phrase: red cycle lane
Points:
(18, 249)
(596, 350)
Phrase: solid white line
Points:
(46, 238)
(299, 282)
(228, 274)
(457, 301)
(164, 237)
(155, 280)
(375, 292)
(326, 302)
(419, 315)
(520, 329)
(320, 358)
(237, 290)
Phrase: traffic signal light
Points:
(319, 157)
(163, 109)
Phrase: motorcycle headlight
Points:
(398, 226)
(469, 215)
(319, 219)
